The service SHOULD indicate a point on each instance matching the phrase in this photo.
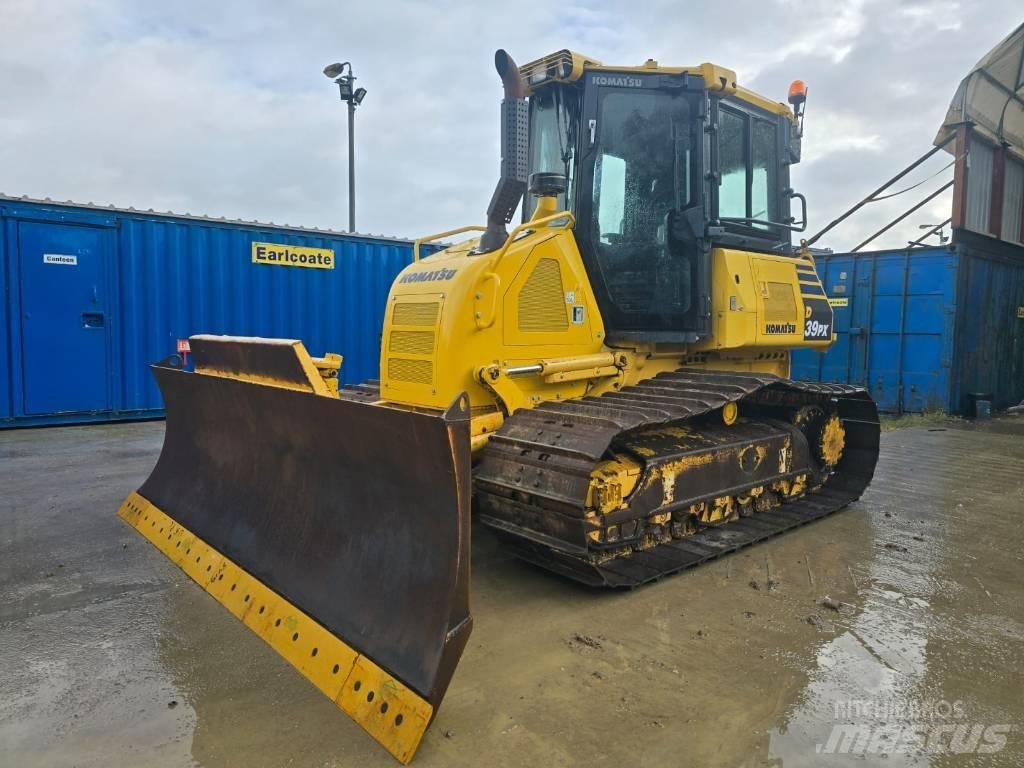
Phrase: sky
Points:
(221, 108)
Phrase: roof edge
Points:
(12, 199)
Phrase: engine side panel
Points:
(456, 312)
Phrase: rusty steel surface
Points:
(678, 554)
(533, 480)
(712, 452)
(314, 497)
(275, 359)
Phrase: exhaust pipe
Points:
(514, 145)
(511, 82)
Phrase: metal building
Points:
(984, 131)
(93, 295)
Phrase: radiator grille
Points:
(542, 300)
(412, 371)
(780, 304)
(416, 313)
(423, 314)
(411, 343)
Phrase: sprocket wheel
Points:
(825, 434)
(832, 441)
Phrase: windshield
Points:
(642, 173)
(553, 120)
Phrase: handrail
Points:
(420, 241)
(533, 224)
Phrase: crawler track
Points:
(533, 479)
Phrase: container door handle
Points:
(93, 320)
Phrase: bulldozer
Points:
(604, 386)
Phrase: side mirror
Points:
(687, 224)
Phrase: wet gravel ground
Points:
(889, 634)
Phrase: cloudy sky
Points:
(221, 108)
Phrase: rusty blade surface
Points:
(357, 514)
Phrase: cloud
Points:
(220, 108)
(840, 133)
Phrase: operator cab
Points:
(660, 168)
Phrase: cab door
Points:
(639, 202)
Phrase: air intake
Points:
(542, 299)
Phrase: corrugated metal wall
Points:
(980, 161)
(989, 352)
(1013, 202)
(164, 278)
(924, 328)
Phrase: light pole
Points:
(353, 97)
(935, 229)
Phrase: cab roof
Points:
(568, 66)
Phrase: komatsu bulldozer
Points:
(606, 385)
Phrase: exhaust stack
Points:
(514, 145)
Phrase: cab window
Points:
(732, 191)
(748, 156)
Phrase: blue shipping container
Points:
(925, 329)
(93, 296)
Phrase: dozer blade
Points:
(337, 531)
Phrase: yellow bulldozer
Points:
(605, 387)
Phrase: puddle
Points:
(884, 690)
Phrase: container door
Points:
(885, 340)
(861, 310)
(839, 284)
(927, 347)
(64, 331)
